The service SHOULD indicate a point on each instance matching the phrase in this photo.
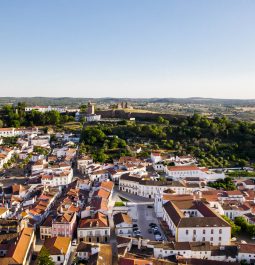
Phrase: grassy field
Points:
(72, 126)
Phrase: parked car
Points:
(74, 242)
(135, 225)
(150, 230)
(152, 224)
(157, 233)
(137, 232)
(158, 237)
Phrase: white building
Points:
(86, 250)
(192, 221)
(233, 210)
(99, 175)
(57, 179)
(145, 187)
(182, 172)
(95, 229)
(156, 157)
(246, 252)
(123, 224)
(59, 249)
(12, 132)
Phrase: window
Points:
(211, 231)
(220, 238)
(211, 239)
(194, 232)
(220, 231)
(187, 232)
(203, 238)
(203, 231)
(59, 258)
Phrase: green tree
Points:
(44, 257)
(235, 229)
(83, 108)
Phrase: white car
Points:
(158, 238)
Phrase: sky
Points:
(127, 48)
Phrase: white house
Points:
(94, 228)
(156, 157)
(57, 179)
(59, 249)
(123, 224)
(86, 250)
(246, 252)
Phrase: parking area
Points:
(142, 213)
(145, 221)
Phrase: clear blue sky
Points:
(127, 48)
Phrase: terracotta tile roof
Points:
(234, 192)
(48, 221)
(105, 254)
(3, 210)
(65, 218)
(22, 245)
(168, 197)
(99, 220)
(122, 218)
(247, 248)
(99, 203)
(175, 214)
(123, 240)
(57, 245)
(107, 185)
(102, 193)
(202, 262)
(85, 247)
(209, 218)
(183, 168)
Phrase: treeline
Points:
(102, 147)
(223, 184)
(218, 142)
(240, 225)
(16, 116)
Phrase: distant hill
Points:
(74, 102)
